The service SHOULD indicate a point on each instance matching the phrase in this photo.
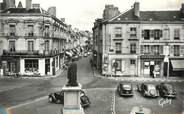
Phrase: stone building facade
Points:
(32, 41)
(142, 43)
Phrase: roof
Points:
(21, 10)
(147, 16)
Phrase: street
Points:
(26, 96)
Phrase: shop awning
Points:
(177, 65)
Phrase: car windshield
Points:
(169, 87)
(151, 87)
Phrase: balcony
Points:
(26, 53)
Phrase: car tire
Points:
(50, 99)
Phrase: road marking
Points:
(113, 102)
(27, 103)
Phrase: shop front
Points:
(176, 67)
(152, 65)
(10, 66)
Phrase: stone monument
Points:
(72, 93)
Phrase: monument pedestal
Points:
(72, 100)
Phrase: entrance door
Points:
(47, 66)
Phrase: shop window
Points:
(31, 65)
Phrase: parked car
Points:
(148, 90)
(166, 90)
(125, 89)
(141, 110)
(58, 97)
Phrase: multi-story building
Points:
(32, 41)
(141, 43)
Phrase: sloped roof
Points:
(148, 16)
(21, 10)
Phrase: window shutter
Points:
(160, 50)
(122, 65)
(142, 49)
(160, 32)
(143, 33)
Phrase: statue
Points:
(72, 75)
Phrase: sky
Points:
(81, 14)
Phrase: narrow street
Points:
(30, 96)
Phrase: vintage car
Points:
(125, 89)
(148, 90)
(141, 110)
(58, 97)
(166, 90)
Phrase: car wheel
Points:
(50, 99)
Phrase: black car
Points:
(58, 97)
(148, 90)
(166, 90)
(125, 89)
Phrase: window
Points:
(12, 30)
(118, 47)
(118, 32)
(118, 61)
(146, 34)
(132, 62)
(30, 45)
(133, 48)
(12, 45)
(47, 45)
(30, 30)
(166, 34)
(176, 50)
(31, 65)
(46, 30)
(157, 34)
(176, 34)
(133, 31)
(156, 49)
(146, 49)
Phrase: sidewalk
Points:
(58, 73)
(140, 78)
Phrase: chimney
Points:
(28, 4)
(110, 11)
(9, 3)
(136, 9)
(36, 6)
(52, 10)
(20, 4)
(182, 10)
